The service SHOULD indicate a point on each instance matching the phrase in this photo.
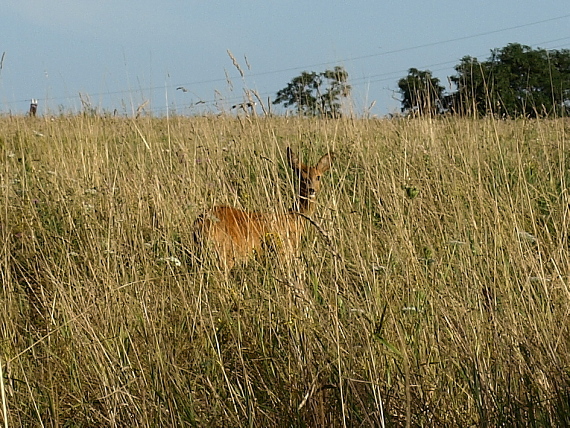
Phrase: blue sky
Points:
(120, 54)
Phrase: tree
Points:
(516, 80)
(316, 94)
(421, 92)
(472, 92)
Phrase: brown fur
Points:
(236, 235)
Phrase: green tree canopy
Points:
(421, 92)
(316, 94)
(516, 80)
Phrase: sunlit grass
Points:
(433, 292)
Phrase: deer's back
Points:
(236, 234)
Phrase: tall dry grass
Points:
(434, 291)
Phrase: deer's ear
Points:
(293, 160)
(325, 162)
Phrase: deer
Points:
(237, 235)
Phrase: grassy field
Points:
(434, 292)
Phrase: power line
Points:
(402, 49)
(382, 77)
(425, 45)
(385, 76)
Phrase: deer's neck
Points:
(304, 206)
